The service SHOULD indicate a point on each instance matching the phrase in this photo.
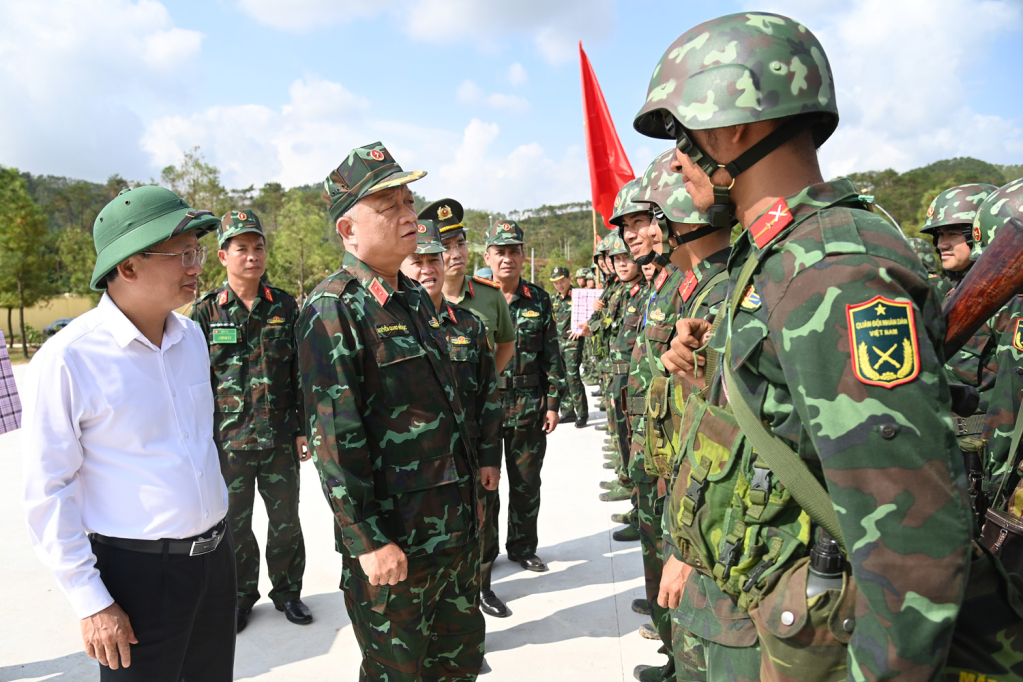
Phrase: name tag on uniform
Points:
(225, 335)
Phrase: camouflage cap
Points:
(558, 273)
(427, 237)
(447, 214)
(998, 208)
(624, 203)
(367, 170)
(136, 220)
(925, 252)
(956, 206)
(741, 68)
(235, 223)
(505, 233)
(665, 189)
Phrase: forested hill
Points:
(303, 245)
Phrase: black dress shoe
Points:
(530, 562)
(597, 393)
(580, 422)
(567, 417)
(492, 605)
(296, 612)
(242, 616)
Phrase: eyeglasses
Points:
(189, 257)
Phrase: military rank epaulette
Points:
(488, 282)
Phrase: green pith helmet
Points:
(427, 237)
(505, 233)
(925, 252)
(618, 247)
(486, 273)
(1002, 205)
(136, 220)
(582, 272)
(740, 68)
(364, 171)
(447, 214)
(558, 273)
(235, 223)
(624, 205)
(956, 206)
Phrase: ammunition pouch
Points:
(968, 426)
(659, 450)
(636, 405)
(518, 381)
(618, 367)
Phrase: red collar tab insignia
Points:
(661, 279)
(222, 299)
(451, 314)
(275, 320)
(267, 295)
(378, 291)
(767, 226)
(634, 289)
(976, 234)
(688, 286)
(1017, 336)
(883, 342)
(471, 292)
(525, 291)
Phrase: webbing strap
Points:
(1012, 463)
(712, 355)
(793, 473)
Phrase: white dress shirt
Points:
(117, 437)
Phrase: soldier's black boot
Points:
(567, 417)
(655, 673)
(642, 606)
(580, 422)
(242, 616)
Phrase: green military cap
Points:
(558, 273)
(136, 220)
(448, 214)
(235, 223)
(367, 170)
(486, 273)
(428, 237)
(505, 233)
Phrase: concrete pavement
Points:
(572, 623)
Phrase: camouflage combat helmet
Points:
(1001, 206)
(235, 223)
(366, 170)
(956, 206)
(618, 247)
(559, 273)
(925, 253)
(428, 237)
(623, 203)
(505, 233)
(740, 68)
(447, 214)
(584, 272)
(665, 190)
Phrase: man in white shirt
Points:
(123, 490)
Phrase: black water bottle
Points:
(826, 564)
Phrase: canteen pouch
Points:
(728, 515)
(803, 639)
(1002, 535)
(658, 451)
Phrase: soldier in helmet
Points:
(250, 329)
(580, 277)
(836, 403)
(393, 447)
(529, 391)
(571, 343)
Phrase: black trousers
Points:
(182, 609)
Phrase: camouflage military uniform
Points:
(633, 302)
(394, 453)
(571, 351)
(258, 415)
(925, 252)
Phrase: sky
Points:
(484, 95)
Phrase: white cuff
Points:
(90, 598)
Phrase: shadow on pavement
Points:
(71, 668)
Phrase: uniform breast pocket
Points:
(465, 360)
(659, 335)
(278, 342)
(405, 374)
(530, 336)
(632, 321)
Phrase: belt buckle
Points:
(201, 546)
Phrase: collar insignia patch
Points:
(883, 342)
(661, 279)
(771, 223)
(688, 286)
(267, 295)
(378, 291)
(451, 314)
(222, 298)
(526, 292)
(634, 289)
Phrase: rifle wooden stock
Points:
(993, 280)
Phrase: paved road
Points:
(572, 623)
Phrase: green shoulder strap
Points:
(783, 460)
(1012, 461)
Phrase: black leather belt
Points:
(636, 405)
(193, 546)
(970, 426)
(620, 367)
(518, 381)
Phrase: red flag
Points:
(609, 166)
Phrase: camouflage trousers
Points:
(701, 660)
(524, 450)
(274, 473)
(489, 506)
(651, 508)
(619, 422)
(427, 627)
(573, 396)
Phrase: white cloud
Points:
(517, 75)
(305, 15)
(470, 93)
(67, 83)
(903, 73)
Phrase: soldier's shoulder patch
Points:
(688, 286)
(1017, 335)
(488, 282)
(883, 342)
(767, 226)
(751, 301)
(530, 313)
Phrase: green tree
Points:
(304, 248)
(24, 262)
(76, 258)
(268, 205)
